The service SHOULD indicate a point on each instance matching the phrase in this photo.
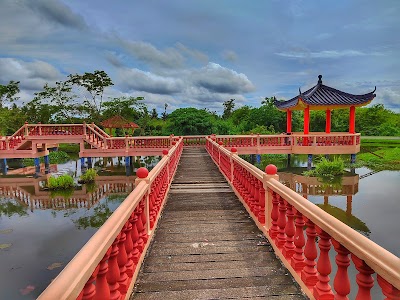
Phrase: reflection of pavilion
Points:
(348, 187)
(29, 192)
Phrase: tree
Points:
(127, 107)
(190, 121)
(228, 108)
(94, 83)
(154, 114)
(8, 92)
(164, 114)
(61, 98)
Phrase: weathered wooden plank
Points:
(207, 247)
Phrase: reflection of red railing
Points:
(296, 227)
(107, 266)
(194, 141)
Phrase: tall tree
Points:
(164, 114)
(229, 105)
(8, 92)
(127, 107)
(94, 83)
(154, 114)
(61, 98)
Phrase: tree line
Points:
(80, 97)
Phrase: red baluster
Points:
(122, 260)
(309, 273)
(102, 287)
(322, 289)
(273, 231)
(297, 261)
(388, 289)
(281, 237)
(288, 249)
(89, 289)
(261, 201)
(113, 271)
(363, 278)
(135, 240)
(341, 282)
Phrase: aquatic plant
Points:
(88, 176)
(62, 182)
(327, 168)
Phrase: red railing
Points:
(302, 235)
(194, 141)
(107, 266)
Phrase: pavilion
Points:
(118, 122)
(322, 97)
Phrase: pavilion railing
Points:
(107, 266)
(296, 227)
(194, 141)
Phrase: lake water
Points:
(40, 232)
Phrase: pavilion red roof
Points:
(321, 96)
(118, 122)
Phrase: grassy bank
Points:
(381, 159)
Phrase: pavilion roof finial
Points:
(319, 79)
(299, 91)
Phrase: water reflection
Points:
(314, 186)
(40, 231)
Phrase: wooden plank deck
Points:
(207, 247)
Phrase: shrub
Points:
(62, 182)
(327, 168)
(89, 176)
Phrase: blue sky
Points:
(202, 53)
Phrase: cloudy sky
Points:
(202, 53)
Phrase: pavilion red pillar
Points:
(328, 121)
(288, 121)
(352, 120)
(306, 120)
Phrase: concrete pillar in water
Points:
(36, 160)
(352, 162)
(46, 164)
(309, 161)
(128, 165)
(258, 158)
(289, 157)
(327, 156)
(82, 162)
(4, 166)
(89, 162)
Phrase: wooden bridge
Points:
(206, 248)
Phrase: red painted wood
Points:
(288, 249)
(322, 289)
(288, 121)
(306, 120)
(122, 260)
(388, 289)
(328, 121)
(280, 239)
(341, 282)
(363, 278)
(113, 271)
(273, 231)
(352, 120)
(297, 261)
(309, 273)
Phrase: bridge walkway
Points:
(206, 246)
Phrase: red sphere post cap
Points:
(271, 169)
(165, 152)
(173, 143)
(142, 172)
(220, 142)
(233, 149)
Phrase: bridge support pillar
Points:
(309, 161)
(46, 161)
(352, 158)
(89, 162)
(327, 156)
(82, 162)
(4, 167)
(128, 165)
(289, 157)
(258, 158)
(36, 160)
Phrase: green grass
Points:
(69, 148)
(59, 183)
(389, 159)
(88, 176)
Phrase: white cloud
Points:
(326, 54)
